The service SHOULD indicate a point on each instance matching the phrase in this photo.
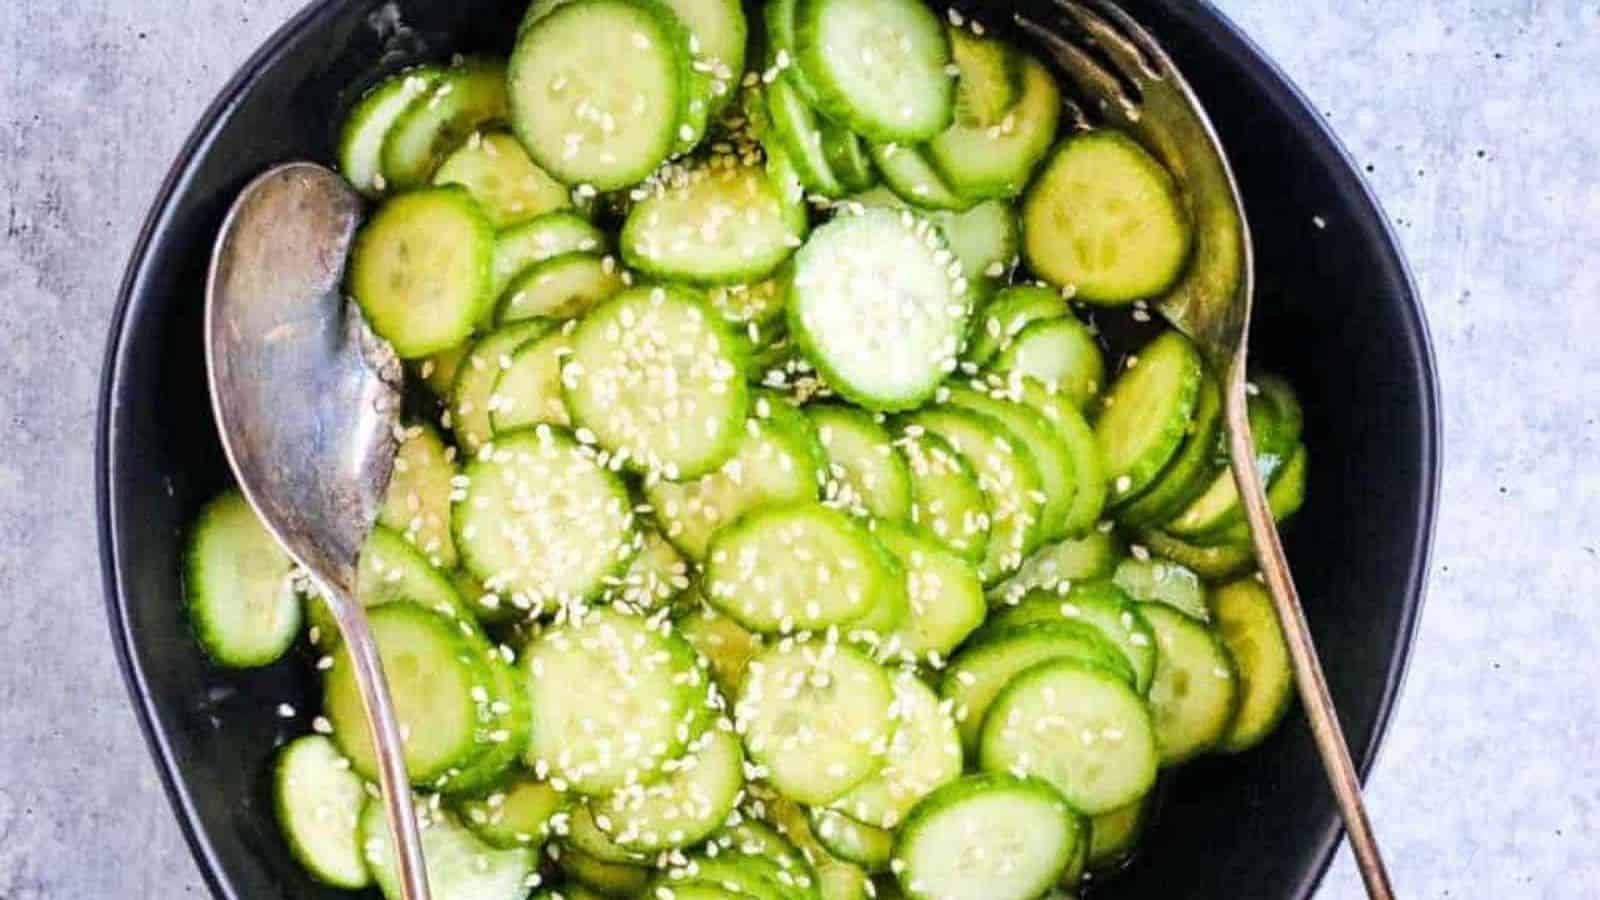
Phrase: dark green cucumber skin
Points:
(1186, 477)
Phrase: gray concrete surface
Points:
(1480, 122)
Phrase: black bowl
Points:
(1337, 313)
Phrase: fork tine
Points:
(1135, 53)
(1099, 87)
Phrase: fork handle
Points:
(1313, 686)
(387, 743)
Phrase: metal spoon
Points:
(307, 399)
(1133, 84)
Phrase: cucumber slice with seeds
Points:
(1090, 500)
(987, 837)
(1100, 605)
(724, 643)
(997, 161)
(657, 379)
(547, 236)
(541, 521)
(1218, 506)
(924, 754)
(361, 138)
(1105, 217)
(657, 574)
(1284, 498)
(800, 130)
(1191, 472)
(1057, 566)
(985, 237)
(507, 729)
(464, 98)
(879, 307)
(687, 805)
(417, 504)
(1009, 476)
(519, 812)
(460, 865)
(1147, 413)
(613, 700)
(870, 476)
(598, 89)
(853, 841)
(584, 833)
(818, 716)
(1215, 563)
(1113, 835)
(1156, 580)
(439, 687)
(1248, 625)
(318, 802)
(877, 66)
(944, 591)
(1012, 309)
(910, 174)
(804, 566)
(946, 498)
(472, 398)
(775, 464)
(780, 35)
(391, 570)
(1077, 726)
(983, 669)
(712, 226)
(562, 287)
(1057, 476)
(847, 156)
(421, 270)
(604, 878)
(1196, 688)
(1059, 352)
(990, 83)
(495, 169)
(528, 392)
(241, 602)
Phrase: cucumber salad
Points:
(774, 520)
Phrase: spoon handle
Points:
(1313, 686)
(386, 742)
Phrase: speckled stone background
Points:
(1480, 125)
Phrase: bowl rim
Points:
(1226, 36)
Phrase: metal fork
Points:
(1132, 84)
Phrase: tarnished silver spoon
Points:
(307, 399)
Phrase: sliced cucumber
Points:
(1100, 605)
(657, 574)
(908, 172)
(549, 235)
(508, 727)
(878, 66)
(562, 287)
(417, 504)
(1058, 479)
(724, 643)
(997, 161)
(391, 571)
(686, 806)
(241, 602)
(853, 841)
(990, 83)
(944, 593)
(1090, 500)
(1248, 624)
(714, 225)
(583, 833)
(598, 89)
(1191, 471)
(1214, 563)
(1009, 476)
(606, 879)
(465, 98)
(657, 379)
(1284, 498)
(924, 754)
(947, 500)
(879, 307)
(472, 397)
(1157, 580)
(439, 687)
(983, 668)
(803, 566)
(742, 305)
(800, 131)
(818, 715)
(438, 371)
(985, 237)
(361, 138)
(519, 812)
(719, 35)
(1218, 507)
(1196, 688)
(318, 801)
(1012, 309)
(1113, 835)
(1077, 726)
(613, 698)
(834, 878)
(528, 392)
(1057, 566)
(541, 522)
(987, 837)
(495, 169)
(460, 865)
(1147, 413)
(421, 270)
(864, 470)
(1106, 218)
(780, 36)
(847, 156)
(775, 464)
(1059, 353)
